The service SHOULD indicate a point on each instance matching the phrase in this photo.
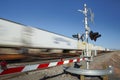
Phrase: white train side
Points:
(13, 34)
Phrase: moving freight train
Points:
(16, 35)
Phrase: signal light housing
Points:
(79, 37)
(76, 36)
(94, 35)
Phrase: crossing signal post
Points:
(88, 57)
(88, 33)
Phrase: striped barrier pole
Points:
(37, 66)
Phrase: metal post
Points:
(82, 77)
(87, 29)
(86, 32)
(78, 44)
(105, 77)
(95, 51)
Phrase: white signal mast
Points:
(87, 30)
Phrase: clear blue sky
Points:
(61, 16)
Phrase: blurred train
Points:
(16, 38)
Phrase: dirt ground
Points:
(113, 59)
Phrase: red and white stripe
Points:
(37, 66)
